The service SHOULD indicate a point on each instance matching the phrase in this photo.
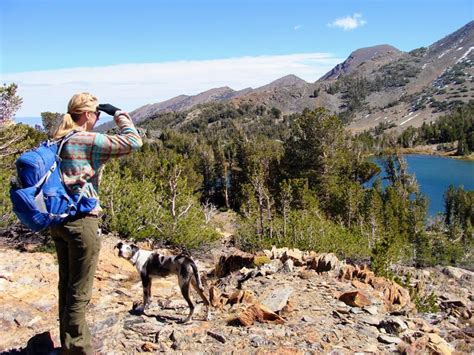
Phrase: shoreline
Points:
(427, 150)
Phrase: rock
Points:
(306, 274)
(288, 266)
(268, 253)
(32, 322)
(146, 328)
(456, 308)
(177, 338)
(387, 339)
(371, 348)
(241, 296)
(272, 267)
(279, 331)
(308, 256)
(256, 312)
(119, 277)
(278, 299)
(458, 273)
(393, 325)
(359, 285)
(311, 313)
(219, 337)
(371, 309)
(355, 299)
(294, 254)
(277, 252)
(289, 307)
(325, 262)
(258, 341)
(215, 298)
(149, 347)
(417, 346)
(333, 337)
(438, 344)
(394, 296)
(355, 310)
(371, 320)
(233, 262)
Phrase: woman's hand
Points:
(108, 109)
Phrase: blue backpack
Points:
(39, 197)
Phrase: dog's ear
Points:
(134, 248)
(118, 245)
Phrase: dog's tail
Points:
(196, 275)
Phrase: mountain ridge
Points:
(399, 89)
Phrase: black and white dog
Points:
(150, 265)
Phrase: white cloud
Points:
(298, 27)
(130, 86)
(348, 23)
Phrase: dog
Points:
(150, 265)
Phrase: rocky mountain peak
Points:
(373, 54)
(287, 80)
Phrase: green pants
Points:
(77, 246)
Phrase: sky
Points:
(134, 52)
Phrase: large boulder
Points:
(256, 312)
(324, 262)
(355, 299)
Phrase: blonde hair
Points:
(79, 103)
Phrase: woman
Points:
(77, 240)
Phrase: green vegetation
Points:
(50, 120)
(425, 303)
(458, 126)
(10, 102)
(457, 74)
(354, 89)
(418, 52)
(150, 195)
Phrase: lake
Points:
(434, 174)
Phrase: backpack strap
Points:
(55, 164)
(63, 141)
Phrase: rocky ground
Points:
(293, 302)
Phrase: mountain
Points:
(374, 86)
(422, 84)
(179, 103)
(376, 55)
(184, 102)
(381, 85)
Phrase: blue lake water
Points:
(434, 174)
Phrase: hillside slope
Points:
(311, 316)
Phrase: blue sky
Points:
(54, 48)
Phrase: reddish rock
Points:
(216, 299)
(293, 254)
(355, 299)
(259, 313)
(241, 296)
(324, 262)
(359, 285)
